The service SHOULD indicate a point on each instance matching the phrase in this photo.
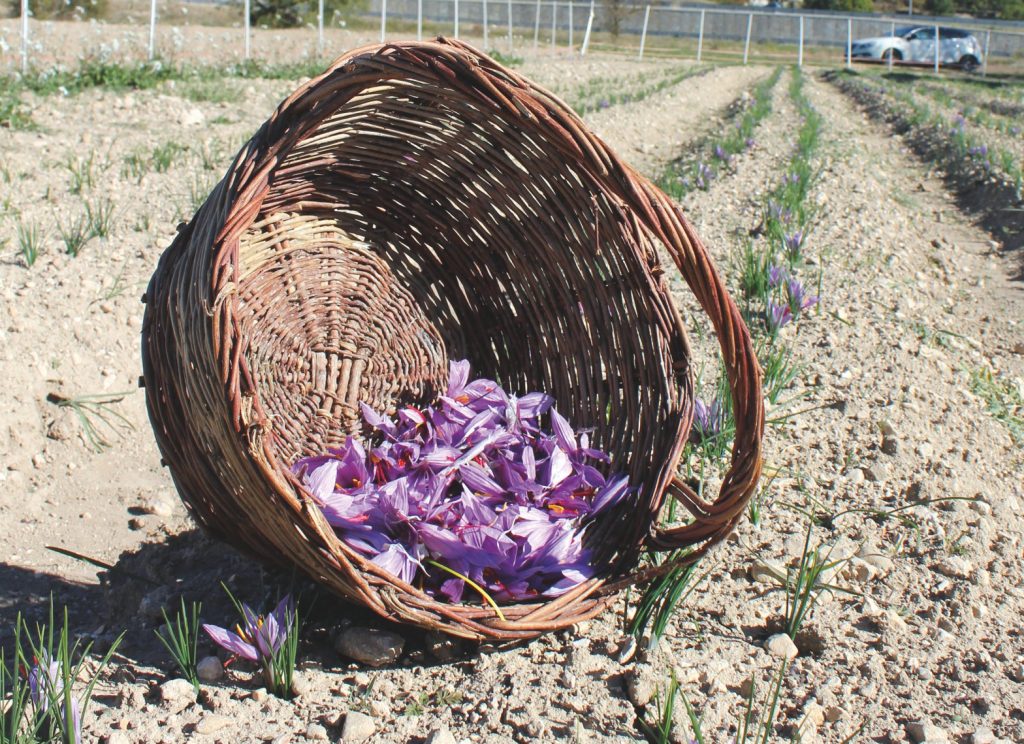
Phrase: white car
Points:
(916, 44)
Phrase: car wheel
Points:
(968, 63)
(894, 54)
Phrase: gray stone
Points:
(782, 646)
(370, 646)
(440, 735)
(316, 732)
(955, 567)
(212, 723)
(210, 669)
(983, 736)
(923, 731)
(177, 694)
(358, 727)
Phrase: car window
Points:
(922, 34)
(952, 33)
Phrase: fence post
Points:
(484, 6)
(509, 26)
(746, 45)
(456, 33)
(319, 27)
(700, 36)
(586, 35)
(554, 17)
(800, 51)
(984, 61)
(892, 33)
(536, 28)
(24, 37)
(643, 34)
(849, 43)
(247, 29)
(152, 29)
(936, 50)
(419, 20)
(383, 19)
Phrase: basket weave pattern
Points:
(418, 203)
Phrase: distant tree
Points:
(857, 6)
(61, 9)
(615, 12)
(290, 13)
(1010, 10)
(940, 7)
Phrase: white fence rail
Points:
(778, 35)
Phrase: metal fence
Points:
(699, 32)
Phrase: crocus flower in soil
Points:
(257, 638)
(794, 242)
(47, 685)
(776, 275)
(799, 299)
(707, 420)
(471, 491)
(777, 316)
(721, 154)
(778, 213)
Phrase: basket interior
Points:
(413, 225)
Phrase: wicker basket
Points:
(416, 203)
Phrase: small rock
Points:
(983, 736)
(301, 684)
(766, 572)
(923, 731)
(442, 646)
(38, 460)
(380, 709)
(62, 428)
(873, 473)
(210, 669)
(834, 713)
(955, 567)
(440, 735)
(316, 732)
(781, 645)
(211, 723)
(641, 688)
(358, 727)
(136, 523)
(370, 646)
(1017, 672)
(117, 738)
(259, 695)
(860, 570)
(160, 508)
(177, 694)
(628, 650)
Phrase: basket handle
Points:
(713, 521)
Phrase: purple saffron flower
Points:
(776, 275)
(721, 154)
(778, 213)
(258, 638)
(707, 420)
(794, 243)
(777, 316)
(474, 484)
(798, 297)
(46, 686)
(749, 142)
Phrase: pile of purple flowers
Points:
(471, 490)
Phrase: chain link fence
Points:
(221, 32)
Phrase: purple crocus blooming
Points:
(777, 316)
(474, 484)
(794, 242)
(799, 299)
(776, 275)
(46, 685)
(778, 213)
(707, 420)
(258, 638)
(721, 154)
